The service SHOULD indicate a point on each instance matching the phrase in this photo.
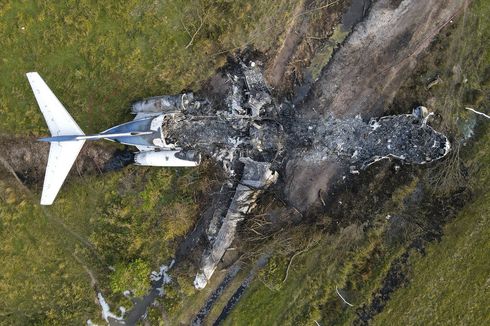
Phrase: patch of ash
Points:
(358, 143)
(239, 124)
(249, 134)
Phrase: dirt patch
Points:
(313, 23)
(301, 175)
(364, 75)
(294, 35)
(28, 158)
(370, 67)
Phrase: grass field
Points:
(353, 261)
(98, 57)
(450, 284)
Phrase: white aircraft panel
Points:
(144, 148)
(59, 121)
(162, 158)
(62, 155)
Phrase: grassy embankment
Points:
(449, 285)
(97, 58)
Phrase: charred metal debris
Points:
(252, 137)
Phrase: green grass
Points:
(449, 286)
(135, 213)
(40, 282)
(352, 259)
(99, 57)
(130, 220)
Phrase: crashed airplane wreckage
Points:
(247, 133)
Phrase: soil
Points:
(362, 78)
(369, 68)
(28, 158)
(312, 24)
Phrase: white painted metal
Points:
(64, 150)
(162, 158)
(62, 155)
(59, 121)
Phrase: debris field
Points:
(253, 137)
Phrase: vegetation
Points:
(133, 277)
(99, 57)
(123, 222)
(39, 280)
(353, 260)
(107, 231)
(449, 285)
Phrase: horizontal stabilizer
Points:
(59, 121)
(62, 155)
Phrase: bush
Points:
(133, 276)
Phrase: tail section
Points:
(59, 121)
(62, 155)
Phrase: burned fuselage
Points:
(247, 122)
(253, 136)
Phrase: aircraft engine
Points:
(168, 158)
(165, 104)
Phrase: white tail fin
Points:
(62, 155)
